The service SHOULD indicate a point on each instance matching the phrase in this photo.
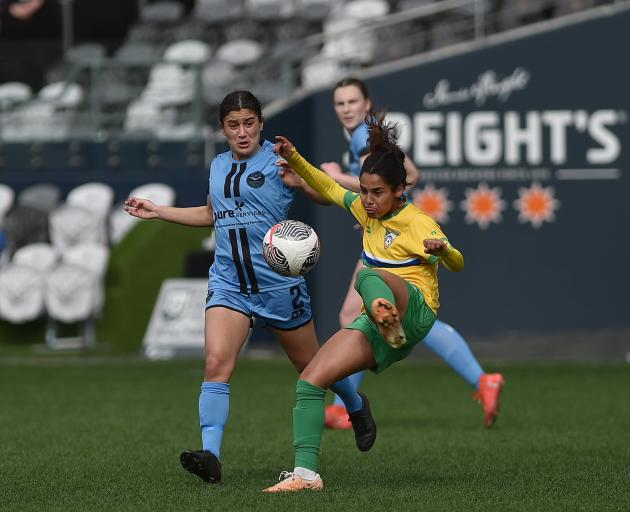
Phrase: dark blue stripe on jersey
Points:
(228, 181)
(237, 179)
(381, 264)
(237, 261)
(247, 259)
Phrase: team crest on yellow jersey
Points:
(390, 236)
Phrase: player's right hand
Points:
(141, 208)
(284, 147)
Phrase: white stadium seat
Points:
(12, 93)
(6, 200)
(240, 52)
(22, 283)
(40, 257)
(62, 94)
(97, 197)
(71, 225)
(190, 51)
(75, 289)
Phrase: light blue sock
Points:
(447, 343)
(346, 389)
(356, 379)
(214, 408)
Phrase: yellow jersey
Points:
(392, 243)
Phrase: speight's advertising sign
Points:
(459, 137)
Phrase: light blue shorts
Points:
(285, 308)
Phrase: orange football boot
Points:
(490, 386)
(290, 482)
(387, 318)
(336, 417)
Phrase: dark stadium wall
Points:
(523, 146)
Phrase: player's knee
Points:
(218, 367)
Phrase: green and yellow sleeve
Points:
(327, 187)
(451, 258)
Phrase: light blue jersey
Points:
(248, 197)
(358, 148)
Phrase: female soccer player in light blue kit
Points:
(246, 197)
(352, 103)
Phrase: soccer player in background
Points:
(352, 103)
(246, 197)
(398, 288)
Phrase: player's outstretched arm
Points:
(194, 216)
(451, 257)
(323, 184)
(293, 180)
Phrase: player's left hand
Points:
(284, 147)
(435, 247)
(288, 175)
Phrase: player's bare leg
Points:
(225, 333)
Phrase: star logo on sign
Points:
(434, 202)
(536, 204)
(483, 205)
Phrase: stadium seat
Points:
(321, 70)
(190, 51)
(62, 94)
(75, 289)
(13, 93)
(120, 222)
(169, 84)
(42, 196)
(218, 77)
(97, 197)
(162, 13)
(6, 200)
(24, 225)
(86, 53)
(268, 9)
(83, 217)
(218, 11)
(22, 283)
(366, 9)
(71, 225)
(240, 52)
(137, 52)
(314, 10)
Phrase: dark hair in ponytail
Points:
(236, 101)
(386, 159)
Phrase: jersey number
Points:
(297, 302)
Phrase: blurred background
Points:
(516, 112)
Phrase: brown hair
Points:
(386, 159)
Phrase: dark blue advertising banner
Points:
(523, 147)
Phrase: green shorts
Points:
(417, 323)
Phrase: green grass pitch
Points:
(105, 434)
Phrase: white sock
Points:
(306, 474)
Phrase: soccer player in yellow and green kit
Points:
(402, 247)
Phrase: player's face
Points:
(242, 130)
(351, 106)
(377, 196)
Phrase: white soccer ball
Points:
(291, 248)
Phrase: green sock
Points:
(308, 424)
(370, 285)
